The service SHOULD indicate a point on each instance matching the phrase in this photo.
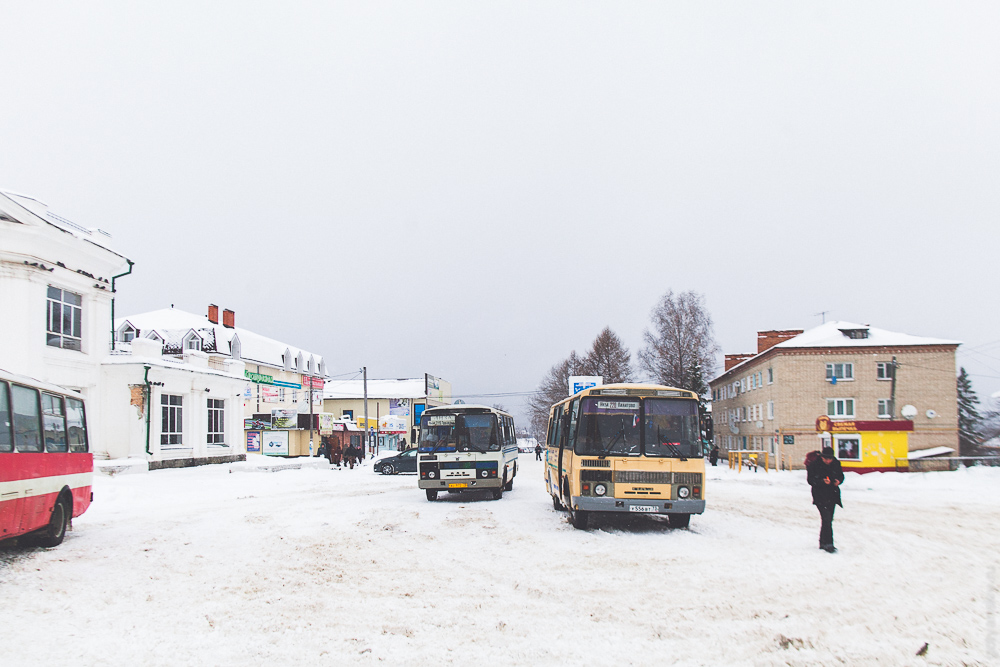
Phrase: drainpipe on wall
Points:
(113, 278)
(149, 402)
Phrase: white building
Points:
(57, 281)
(254, 377)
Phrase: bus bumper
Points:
(651, 506)
(449, 485)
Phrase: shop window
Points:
(64, 322)
(848, 447)
(840, 371)
(840, 408)
(171, 420)
(216, 421)
(884, 370)
(885, 408)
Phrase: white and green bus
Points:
(466, 448)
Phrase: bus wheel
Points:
(432, 494)
(509, 485)
(580, 519)
(53, 534)
(556, 505)
(498, 492)
(679, 520)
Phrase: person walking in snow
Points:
(825, 476)
(713, 456)
(538, 452)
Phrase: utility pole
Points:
(364, 370)
(311, 450)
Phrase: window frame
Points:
(831, 371)
(886, 402)
(841, 437)
(38, 419)
(57, 338)
(166, 409)
(8, 429)
(55, 418)
(845, 415)
(770, 375)
(215, 416)
(883, 371)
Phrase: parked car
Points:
(402, 462)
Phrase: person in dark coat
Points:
(825, 476)
(713, 456)
(538, 452)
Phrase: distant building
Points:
(270, 400)
(840, 384)
(394, 406)
(57, 283)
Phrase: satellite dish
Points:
(760, 424)
(931, 414)
(734, 429)
(908, 412)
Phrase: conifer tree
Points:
(968, 416)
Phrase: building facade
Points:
(57, 282)
(280, 387)
(873, 395)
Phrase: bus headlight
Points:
(431, 474)
(484, 473)
(600, 490)
(683, 492)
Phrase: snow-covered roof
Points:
(173, 325)
(847, 335)
(835, 334)
(40, 210)
(351, 389)
(933, 451)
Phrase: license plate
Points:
(642, 508)
(458, 486)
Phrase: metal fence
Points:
(931, 463)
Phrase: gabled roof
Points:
(173, 324)
(352, 389)
(27, 210)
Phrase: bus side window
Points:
(54, 422)
(76, 425)
(563, 428)
(27, 419)
(6, 438)
(557, 417)
(550, 437)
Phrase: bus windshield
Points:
(672, 428)
(461, 433)
(608, 427)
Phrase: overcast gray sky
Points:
(473, 189)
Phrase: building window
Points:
(216, 421)
(64, 326)
(128, 333)
(883, 370)
(171, 419)
(885, 408)
(770, 409)
(193, 342)
(848, 447)
(770, 376)
(760, 380)
(840, 407)
(840, 371)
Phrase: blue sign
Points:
(418, 409)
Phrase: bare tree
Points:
(680, 350)
(609, 358)
(554, 388)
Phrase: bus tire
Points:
(52, 535)
(580, 519)
(498, 492)
(679, 520)
(556, 505)
(432, 494)
(510, 484)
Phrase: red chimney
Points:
(229, 319)
(734, 359)
(213, 313)
(768, 339)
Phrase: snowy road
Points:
(200, 566)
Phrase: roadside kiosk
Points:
(866, 446)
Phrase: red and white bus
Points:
(45, 461)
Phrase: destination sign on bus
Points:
(441, 420)
(618, 405)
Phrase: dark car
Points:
(402, 462)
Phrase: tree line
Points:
(679, 350)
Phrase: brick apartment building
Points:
(840, 384)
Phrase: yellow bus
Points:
(626, 448)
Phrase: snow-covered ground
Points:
(312, 566)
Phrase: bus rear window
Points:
(76, 425)
(54, 422)
(27, 425)
(6, 438)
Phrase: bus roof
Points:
(460, 406)
(34, 382)
(631, 389)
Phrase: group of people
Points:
(336, 454)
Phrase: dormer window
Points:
(286, 359)
(856, 334)
(235, 348)
(300, 362)
(152, 335)
(192, 341)
(127, 333)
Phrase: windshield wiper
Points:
(671, 447)
(620, 434)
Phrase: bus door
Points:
(567, 441)
(10, 498)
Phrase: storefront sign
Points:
(259, 378)
(269, 394)
(255, 424)
(392, 424)
(282, 383)
(418, 410)
(275, 443)
(826, 425)
(253, 441)
(284, 418)
(327, 423)
(399, 407)
(315, 383)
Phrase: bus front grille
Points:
(641, 477)
(595, 475)
(688, 478)
(595, 463)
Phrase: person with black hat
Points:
(825, 476)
